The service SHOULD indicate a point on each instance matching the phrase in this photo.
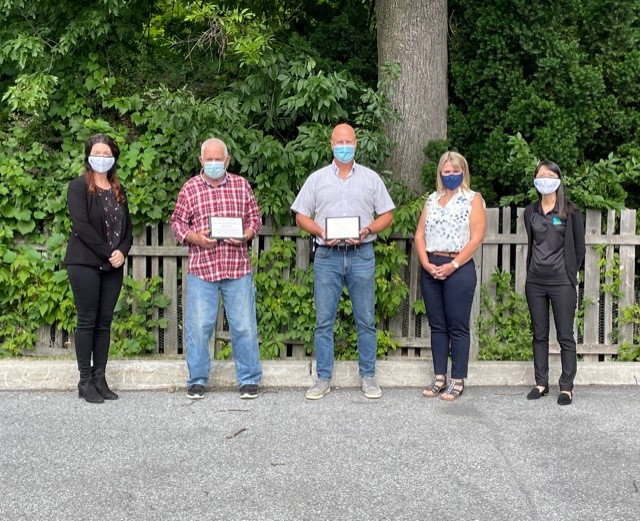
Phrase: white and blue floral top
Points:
(447, 228)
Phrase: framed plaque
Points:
(342, 228)
(225, 227)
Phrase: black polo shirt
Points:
(547, 255)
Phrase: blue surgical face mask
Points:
(214, 169)
(101, 164)
(344, 153)
(546, 185)
(452, 181)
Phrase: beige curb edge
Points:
(31, 374)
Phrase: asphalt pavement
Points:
(154, 455)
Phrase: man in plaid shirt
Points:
(218, 266)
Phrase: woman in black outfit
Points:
(100, 240)
(555, 230)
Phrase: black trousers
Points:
(95, 293)
(563, 299)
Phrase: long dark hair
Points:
(112, 177)
(565, 206)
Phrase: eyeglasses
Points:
(451, 173)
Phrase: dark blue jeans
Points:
(448, 304)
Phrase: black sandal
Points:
(454, 391)
(436, 386)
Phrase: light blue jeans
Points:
(333, 269)
(239, 298)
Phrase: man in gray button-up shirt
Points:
(344, 189)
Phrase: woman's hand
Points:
(444, 271)
(117, 259)
(430, 269)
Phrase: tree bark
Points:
(413, 33)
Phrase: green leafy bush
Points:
(565, 75)
(504, 323)
(135, 316)
(33, 293)
(630, 351)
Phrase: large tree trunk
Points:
(413, 33)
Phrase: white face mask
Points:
(101, 164)
(546, 185)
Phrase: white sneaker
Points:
(370, 387)
(319, 389)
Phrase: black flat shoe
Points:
(536, 393)
(565, 398)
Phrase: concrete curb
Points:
(29, 374)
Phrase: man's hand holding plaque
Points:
(226, 228)
(338, 229)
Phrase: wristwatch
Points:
(455, 264)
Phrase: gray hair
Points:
(212, 141)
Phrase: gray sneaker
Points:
(319, 389)
(370, 387)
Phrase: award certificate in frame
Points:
(342, 228)
(225, 227)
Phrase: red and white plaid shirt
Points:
(196, 202)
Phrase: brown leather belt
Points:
(449, 254)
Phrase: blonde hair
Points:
(458, 161)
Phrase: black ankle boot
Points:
(88, 391)
(100, 382)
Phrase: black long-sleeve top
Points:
(88, 243)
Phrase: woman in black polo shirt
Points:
(555, 230)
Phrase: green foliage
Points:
(160, 77)
(630, 351)
(609, 271)
(271, 103)
(238, 30)
(580, 314)
(32, 293)
(344, 38)
(391, 289)
(605, 184)
(135, 316)
(565, 75)
(600, 185)
(284, 302)
(504, 323)
(419, 307)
